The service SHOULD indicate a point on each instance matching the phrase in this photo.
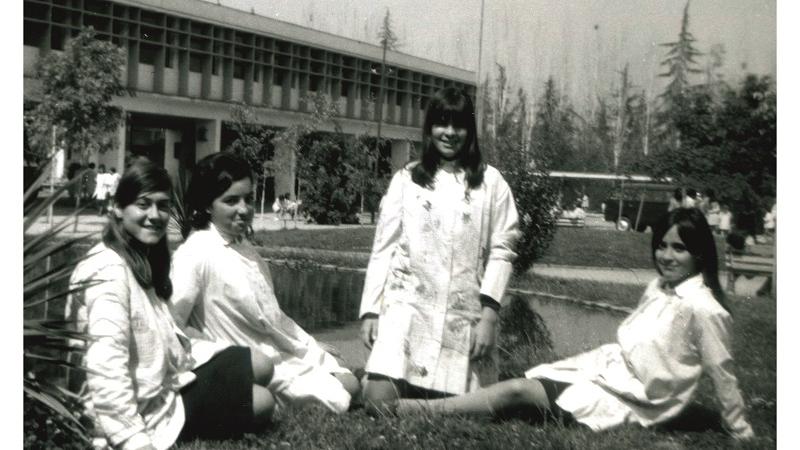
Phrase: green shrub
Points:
(524, 340)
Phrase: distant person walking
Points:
(690, 200)
(676, 201)
(440, 263)
(725, 220)
(771, 219)
(713, 215)
(101, 185)
(89, 183)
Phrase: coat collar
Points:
(216, 235)
(687, 287)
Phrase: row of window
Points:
(154, 32)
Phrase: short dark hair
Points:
(450, 105)
(149, 264)
(212, 176)
(695, 233)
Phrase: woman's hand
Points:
(484, 335)
(369, 329)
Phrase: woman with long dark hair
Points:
(680, 330)
(144, 388)
(224, 290)
(441, 260)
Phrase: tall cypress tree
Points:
(680, 63)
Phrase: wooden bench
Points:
(570, 222)
(755, 260)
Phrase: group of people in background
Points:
(719, 215)
(285, 208)
(95, 186)
(194, 345)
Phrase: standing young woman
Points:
(223, 289)
(142, 390)
(680, 330)
(440, 263)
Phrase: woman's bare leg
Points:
(263, 401)
(263, 369)
(350, 383)
(380, 396)
(493, 400)
(263, 405)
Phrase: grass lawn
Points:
(570, 246)
(313, 427)
(754, 346)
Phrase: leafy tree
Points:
(254, 143)
(552, 136)
(714, 79)
(633, 151)
(526, 173)
(729, 147)
(77, 87)
(335, 169)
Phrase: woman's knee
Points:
(263, 404)
(522, 392)
(349, 382)
(380, 396)
(263, 368)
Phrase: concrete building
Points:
(189, 61)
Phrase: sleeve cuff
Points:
(489, 302)
(495, 278)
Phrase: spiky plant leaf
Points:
(36, 209)
(48, 342)
(181, 219)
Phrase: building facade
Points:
(189, 61)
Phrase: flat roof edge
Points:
(212, 13)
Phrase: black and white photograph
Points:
(400, 224)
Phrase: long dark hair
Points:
(149, 264)
(212, 176)
(695, 233)
(450, 105)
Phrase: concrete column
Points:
(209, 134)
(401, 153)
(171, 163)
(286, 174)
(122, 139)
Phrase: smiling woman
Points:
(224, 290)
(146, 219)
(680, 330)
(145, 390)
(441, 260)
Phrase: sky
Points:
(582, 44)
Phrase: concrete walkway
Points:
(89, 222)
(746, 287)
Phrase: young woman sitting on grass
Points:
(223, 290)
(680, 329)
(145, 391)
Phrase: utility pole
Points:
(478, 93)
(388, 41)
